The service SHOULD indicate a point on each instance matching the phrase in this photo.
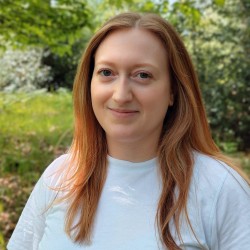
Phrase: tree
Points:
(51, 24)
(219, 48)
(59, 27)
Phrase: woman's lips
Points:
(123, 113)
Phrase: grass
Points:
(34, 129)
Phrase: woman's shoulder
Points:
(56, 170)
(57, 164)
(213, 175)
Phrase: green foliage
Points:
(34, 128)
(219, 45)
(51, 24)
(216, 33)
(60, 28)
(219, 2)
(185, 16)
(244, 162)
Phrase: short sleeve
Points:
(31, 224)
(231, 222)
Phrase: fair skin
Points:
(130, 91)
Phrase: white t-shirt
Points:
(218, 208)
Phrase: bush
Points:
(23, 70)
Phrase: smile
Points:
(123, 113)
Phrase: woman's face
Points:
(130, 87)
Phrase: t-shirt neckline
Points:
(131, 165)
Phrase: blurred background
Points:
(40, 45)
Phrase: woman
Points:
(143, 171)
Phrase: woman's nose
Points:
(122, 91)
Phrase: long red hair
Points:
(185, 130)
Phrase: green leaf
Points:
(219, 2)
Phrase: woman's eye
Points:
(144, 75)
(105, 72)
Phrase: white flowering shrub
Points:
(22, 70)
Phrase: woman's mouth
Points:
(123, 113)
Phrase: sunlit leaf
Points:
(219, 2)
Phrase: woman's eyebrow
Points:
(136, 65)
(105, 62)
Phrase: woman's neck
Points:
(132, 151)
